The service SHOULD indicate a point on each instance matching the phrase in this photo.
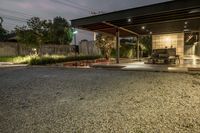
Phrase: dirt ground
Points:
(45, 100)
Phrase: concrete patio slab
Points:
(140, 66)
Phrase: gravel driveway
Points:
(56, 100)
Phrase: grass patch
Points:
(17, 59)
(44, 60)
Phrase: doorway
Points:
(192, 48)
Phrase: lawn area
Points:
(48, 59)
(16, 59)
(101, 101)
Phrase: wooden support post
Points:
(117, 46)
(138, 49)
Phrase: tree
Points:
(38, 32)
(26, 36)
(61, 31)
(146, 41)
(105, 43)
(3, 32)
(34, 34)
(1, 21)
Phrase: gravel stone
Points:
(58, 100)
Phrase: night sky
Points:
(16, 12)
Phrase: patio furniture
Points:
(164, 56)
(173, 57)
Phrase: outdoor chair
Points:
(173, 57)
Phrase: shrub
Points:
(44, 60)
(113, 53)
(126, 52)
(52, 60)
(105, 43)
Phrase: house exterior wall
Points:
(175, 40)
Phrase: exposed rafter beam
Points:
(149, 23)
(104, 29)
(121, 28)
(160, 22)
(95, 31)
(168, 6)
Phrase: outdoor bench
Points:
(164, 56)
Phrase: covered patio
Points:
(170, 24)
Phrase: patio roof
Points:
(167, 17)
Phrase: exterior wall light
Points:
(186, 30)
(168, 40)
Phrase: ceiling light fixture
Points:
(129, 20)
(186, 22)
(143, 27)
